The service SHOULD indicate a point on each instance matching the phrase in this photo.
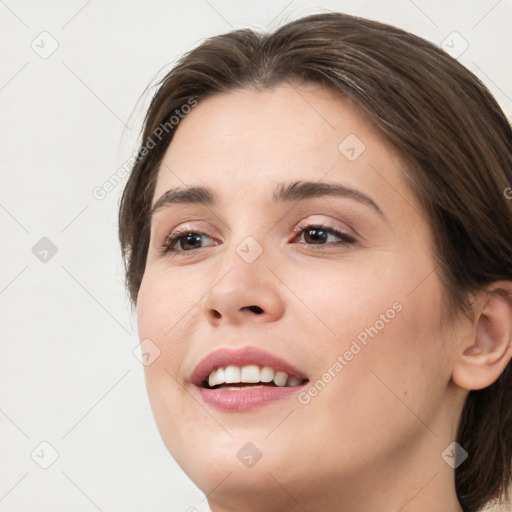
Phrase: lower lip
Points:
(247, 398)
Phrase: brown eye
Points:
(185, 241)
(319, 235)
(189, 241)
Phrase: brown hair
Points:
(453, 136)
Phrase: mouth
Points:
(245, 378)
(250, 376)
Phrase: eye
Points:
(187, 240)
(322, 235)
(184, 240)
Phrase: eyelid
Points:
(345, 239)
(343, 229)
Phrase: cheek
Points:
(384, 331)
(162, 312)
(164, 308)
(340, 303)
(393, 357)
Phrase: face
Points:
(330, 281)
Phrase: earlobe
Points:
(485, 353)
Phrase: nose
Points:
(244, 292)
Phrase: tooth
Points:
(267, 374)
(250, 374)
(216, 377)
(292, 381)
(231, 374)
(280, 378)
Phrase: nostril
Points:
(216, 314)
(255, 309)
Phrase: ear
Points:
(484, 353)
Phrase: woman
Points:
(321, 258)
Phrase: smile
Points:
(244, 379)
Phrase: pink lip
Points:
(243, 399)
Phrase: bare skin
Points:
(372, 438)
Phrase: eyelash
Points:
(171, 240)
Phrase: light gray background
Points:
(68, 122)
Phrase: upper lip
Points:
(241, 357)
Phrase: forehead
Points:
(249, 139)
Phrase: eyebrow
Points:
(295, 191)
